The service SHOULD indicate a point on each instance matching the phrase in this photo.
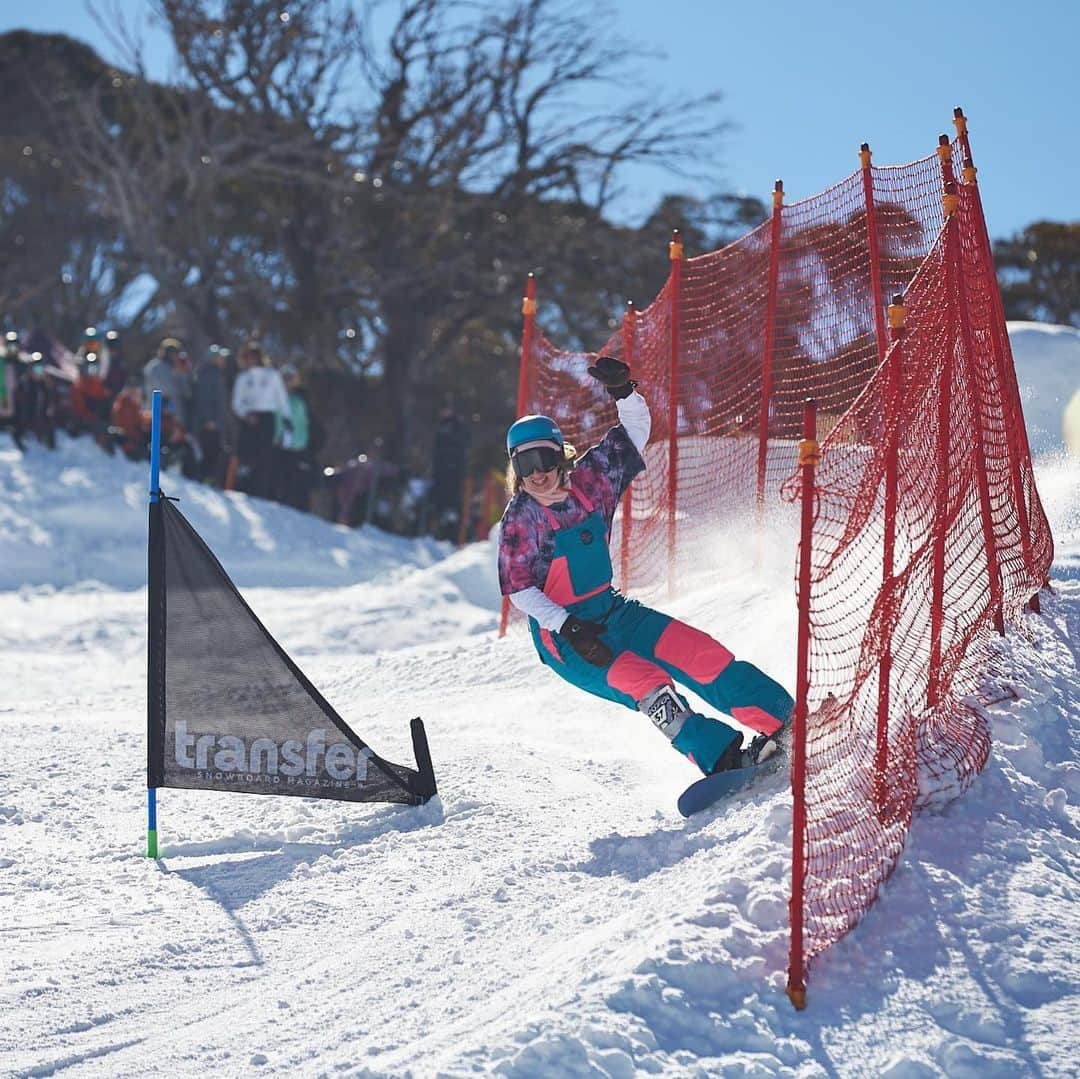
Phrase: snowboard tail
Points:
(711, 789)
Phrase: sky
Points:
(805, 83)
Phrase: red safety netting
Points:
(810, 308)
(928, 532)
(925, 484)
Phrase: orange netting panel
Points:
(925, 464)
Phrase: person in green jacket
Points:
(292, 445)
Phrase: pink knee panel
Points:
(636, 676)
(757, 719)
(692, 651)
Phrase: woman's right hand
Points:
(584, 638)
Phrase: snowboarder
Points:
(555, 566)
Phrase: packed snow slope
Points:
(550, 914)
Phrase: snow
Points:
(549, 914)
(1047, 361)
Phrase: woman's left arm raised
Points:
(634, 416)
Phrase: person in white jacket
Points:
(258, 398)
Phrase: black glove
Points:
(584, 638)
(614, 375)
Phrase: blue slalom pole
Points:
(155, 445)
(155, 473)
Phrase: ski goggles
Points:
(535, 459)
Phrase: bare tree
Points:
(484, 113)
(209, 178)
(65, 264)
(300, 175)
(282, 71)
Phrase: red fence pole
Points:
(528, 322)
(937, 586)
(894, 376)
(629, 343)
(808, 460)
(872, 245)
(993, 569)
(770, 340)
(528, 312)
(1018, 445)
(941, 510)
(675, 254)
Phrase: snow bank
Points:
(1072, 425)
(1047, 360)
(76, 515)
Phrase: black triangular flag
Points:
(229, 710)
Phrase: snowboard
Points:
(711, 789)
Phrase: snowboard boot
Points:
(760, 749)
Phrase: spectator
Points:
(116, 374)
(210, 413)
(9, 374)
(90, 402)
(35, 403)
(164, 373)
(186, 372)
(177, 445)
(450, 449)
(258, 397)
(39, 340)
(53, 370)
(93, 345)
(293, 471)
(129, 421)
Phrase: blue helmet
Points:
(533, 429)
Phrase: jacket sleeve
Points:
(521, 556)
(606, 470)
(547, 612)
(635, 417)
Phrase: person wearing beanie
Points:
(163, 373)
